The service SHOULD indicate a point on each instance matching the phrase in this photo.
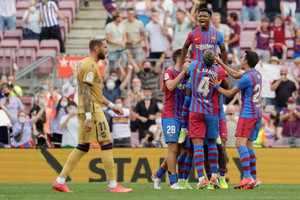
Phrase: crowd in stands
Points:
(139, 46)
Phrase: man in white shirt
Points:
(116, 39)
(8, 14)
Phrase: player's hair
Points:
(95, 42)
(252, 58)
(111, 71)
(234, 16)
(176, 54)
(115, 15)
(145, 62)
(265, 20)
(130, 9)
(118, 98)
(279, 17)
(209, 58)
(216, 14)
(181, 11)
(205, 10)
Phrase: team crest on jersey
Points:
(213, 39)
(90, 76)
(103, 134)
(167, 76)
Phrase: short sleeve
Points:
(283, 112)
(108, 28)
(147, 32)
(189, 39)
(227, 30)
(142, 27)
(293, 86)
(53, 4)
(20, 105)
(168, 75)
(244, 82)
(220, 39)
(221, 74)
(238, 29)
(89, 75)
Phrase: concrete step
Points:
(82, 42)
(91, 15)
(87, 33)
(89, 23)
(94, 5)
(82, 52)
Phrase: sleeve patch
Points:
(90, 76)
(167, 76)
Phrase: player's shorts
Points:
(171, 128)
(187, 143)
(100, 130)
(223, 129)
(248, 128)
(203, 126)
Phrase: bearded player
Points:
(93, 126)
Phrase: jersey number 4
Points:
(203, 86)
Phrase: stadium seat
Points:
(13, 35)
(261, 5)
(64, 26)
(290, 54)
(77, 3)
(188, 5)
(9, 44)
(47, 67)
(24, 57)
(68, 5)
(30, 44)
(28, 103)
(22, 6)
(288, 35)
(251, 25)
(234, 5)
(50, 45)
(290, 44)
(19, 14)
(20, 25)
(1, 36)
(246, 39)
(68, 14)
(7, 58)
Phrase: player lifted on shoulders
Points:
(93, 126)
(174, 89)
(204, 114)
(251, 114)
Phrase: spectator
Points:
(31, 22)
(142, 8)
(220, 6)
(261, 140)
(116, 38)
(279, 37)
(290, 116)
(296, 38)
(275, 61)
(111, 91)
(284, 88)
(135, 35)
(149, 76)
(110, 7)
(272, 9)
(69, 125)
(59, 110)
(289, 8)
(50, 27)
(260, 42)
(11, 82)
(235, 32)
(70, 89)
(156, 35)
(121, 125)
(136, 94)
(8, 15)
(250, 11)
(232, 120)
(296, 76)
(271, 128)
(12, 103)
(50, 98)
(223, 28)
(146, 110)
(161, 6)
(297, 15)
(22, 129)
(40, 103)
(5, 125)
(156, 129)
(148, 140)
(182, 27)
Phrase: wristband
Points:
(217, 87)
(88, 115)
(111, 105)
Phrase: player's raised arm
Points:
(172, 84)
(231, 72)
(185, 48)
(229, 93)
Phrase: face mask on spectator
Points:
(147, 70)
(74, 82)
(110, 85)
(71, 109)
(291, 106)
(272, 116)
(147, 98)
(158, 121)
(63, 104)
(6, 94)
(22, 119)
(32, 9)
(119, 105)
(160, 106)
(230, 62)
(9, 83)
(45, 87)
(115, 78)
(41, 102)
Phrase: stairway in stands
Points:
(89, 22)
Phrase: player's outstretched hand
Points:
(214, 81)
(117, 110)
(218, 59)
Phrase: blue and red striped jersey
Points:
(173, 99)
(205, 98)
(250, 3)
(222, 114)
(202, 41)
(250, 86)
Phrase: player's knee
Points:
(83, 147)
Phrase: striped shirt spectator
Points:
(49, 13)
(250, 3)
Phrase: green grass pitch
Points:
(95, 191)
